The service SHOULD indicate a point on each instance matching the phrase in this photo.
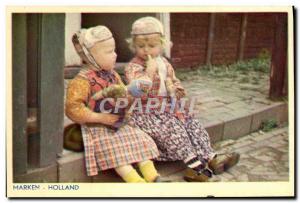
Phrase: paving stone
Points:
(276, 177)
(284, 157)
(262, 101)
(284, 174)
(225, 150)
(241, 112)
(249, 162)
(259, 150)
(221, 110)
(261, 144)
(244, 149)
(200, 93)
(280, 131)
(275, 154)
(213, 104)
(229, 99)
(224, 144)
(258, 162)
(265, 158)
(286, 163)
(216, 117)
(203, 121)
(245, 95)
(246, 138)
(249, 87)
(262, 170)
(236, 105)
(207, 99)
(244, 143)
(256, 178)
(263, 136)
(283, 148)
(237, 170)
(279, 167)
(202, 110)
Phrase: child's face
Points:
(148, 45)
(104, 54)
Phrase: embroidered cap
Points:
(88, 37)
(147, 25)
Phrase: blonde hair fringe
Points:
(165, 43)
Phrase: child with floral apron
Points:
(177, 138)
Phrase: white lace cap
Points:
(147, 25)
(89, 37)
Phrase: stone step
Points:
(218, 130)
(71, 167)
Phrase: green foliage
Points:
(264, 54)
(257, 67)
(268, 125)
(255, 80)
(244, 80)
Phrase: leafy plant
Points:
(264, 54)
(244, 80)
(268, 125)
(257, 66)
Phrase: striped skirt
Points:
(106, 148)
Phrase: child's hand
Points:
(111, 119)
(179, 92)
(151, 66)
(170, 87)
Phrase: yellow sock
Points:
(129, 174)
(148, 170)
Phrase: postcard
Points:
(150, 102)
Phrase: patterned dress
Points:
(175, 138)
(105, 148)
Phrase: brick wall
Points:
(189, 34)
(226, 38)
(260, 34)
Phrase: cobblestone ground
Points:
(227, 97)
(264, 157)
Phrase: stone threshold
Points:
(71, 166)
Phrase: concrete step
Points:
(71, 166)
